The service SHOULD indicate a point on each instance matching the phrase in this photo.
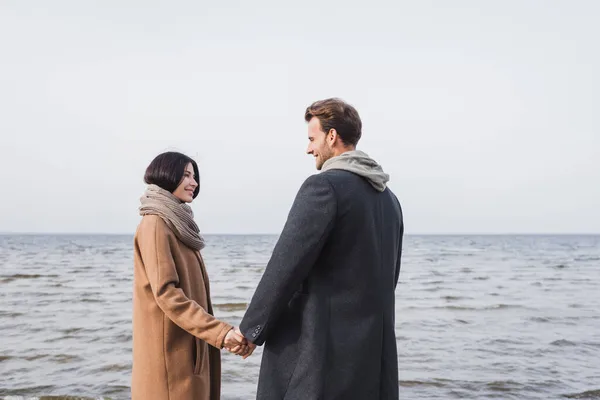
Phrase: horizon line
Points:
(6, 233)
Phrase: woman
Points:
(176, 339)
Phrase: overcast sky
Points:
(485, 114)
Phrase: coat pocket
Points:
(201, 349)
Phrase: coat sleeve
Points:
(155, 251)
(400, 241)
(309, 223)
(399, 259)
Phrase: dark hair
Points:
(167, 170)
(337, 114)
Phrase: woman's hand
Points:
(236, 343)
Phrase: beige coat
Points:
(173, 324)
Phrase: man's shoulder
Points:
(314, 179)
(348, 181)
(315, 184)
(342, 181)
(330, 179)
(339, 175)
(345, 181)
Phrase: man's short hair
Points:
(336, 114)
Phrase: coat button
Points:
(254, 335)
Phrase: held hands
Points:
(251, 346)
(237, 344)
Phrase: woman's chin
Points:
(185, 199)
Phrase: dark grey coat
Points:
(324, 307)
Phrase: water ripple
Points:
(487, 317)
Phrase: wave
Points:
(421, 383)
(115, 368)
(54, 398)
(438, 282)
(10, 314)
(591, 258)
(14, 277)
(455, 298)
(590, 394)
(231, 306)
(540, 319)
(469, 308)
(562, 343)
(503, 386)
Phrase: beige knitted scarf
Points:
(178, 216)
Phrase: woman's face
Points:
(185, 190)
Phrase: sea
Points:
(477, 317)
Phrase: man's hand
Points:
(239, 345)
(236, 343)
(251, 346)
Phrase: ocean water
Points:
(477, 317)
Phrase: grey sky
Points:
(485, 114)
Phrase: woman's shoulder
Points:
(153, 231)
(151, 224)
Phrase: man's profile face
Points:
(317, 143)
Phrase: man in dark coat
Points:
(325, 305)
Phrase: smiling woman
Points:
(176, 173)
(176, 338)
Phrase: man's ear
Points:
(332, 136)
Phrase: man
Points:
(325, 305)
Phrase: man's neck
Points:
(342, 150)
